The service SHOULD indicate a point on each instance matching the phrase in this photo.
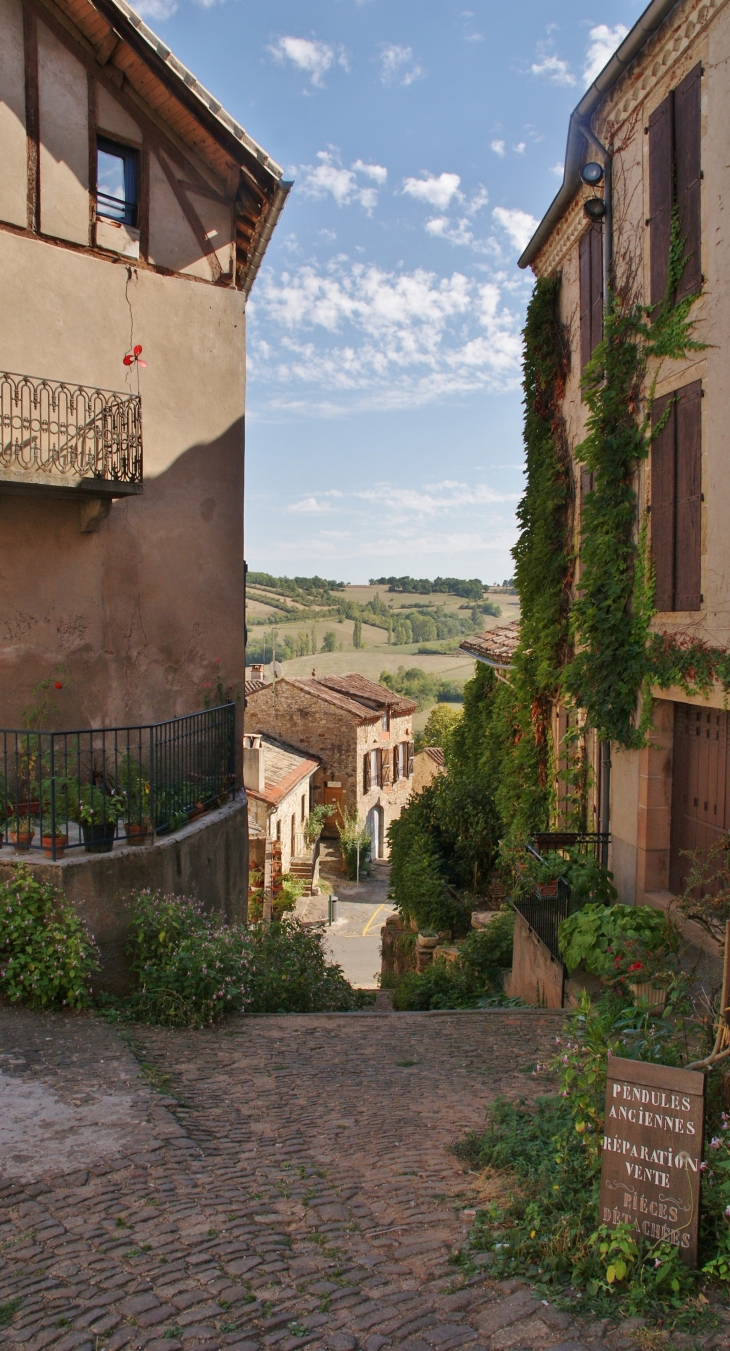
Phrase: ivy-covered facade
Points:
(623, 561)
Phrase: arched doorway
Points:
(374, 826)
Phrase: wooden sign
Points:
(652, 1150)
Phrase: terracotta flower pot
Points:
(23, 837)
(47, 843)
(197, 810)
(138, 832)
(655, 996)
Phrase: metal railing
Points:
(590, 842)
(544, 912)
(68, 432)
(86, 789)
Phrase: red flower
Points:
(636, 966)
(59, 686)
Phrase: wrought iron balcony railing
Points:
(61, 436)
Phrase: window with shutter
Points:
(676, 499)
(688, 564)
(687, 161)
(661, 194)
(663, 481)
(590, 257)
(411, 749)
(385, 767)
(675, 177)
(366, 772)
(396, 766)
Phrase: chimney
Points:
(253, 762)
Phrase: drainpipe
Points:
(604, 780)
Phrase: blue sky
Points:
(425, 140)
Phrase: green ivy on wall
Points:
(611, 615)
(521, 748)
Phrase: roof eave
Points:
(644, 28)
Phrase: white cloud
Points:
(520, 226)
(435, 498)
(604, 41)
(437, 192)
(457, 232)
(399, 63)
(309, 505)
(375, 171)
(306, 54)
(558, 170)
(556, 70)
(156, 9)
(519, 149)
(498, 148)
(364, 337)
(329, 176)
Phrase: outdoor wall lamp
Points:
(595, 209)
(592, 173)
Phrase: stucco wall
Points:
(137, 614)
(208, 860)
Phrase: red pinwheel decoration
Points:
(133, 358)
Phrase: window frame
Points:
(130, 158)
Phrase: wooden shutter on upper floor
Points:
(411, 751)
(396, 768)
(663, 479)
(590, 258)
(366, 772)
(688, 538)
(385, 765)
(378, 775)
(661, 195)
(687, 159)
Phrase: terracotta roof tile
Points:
(496, 647)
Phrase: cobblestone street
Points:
(278, 1182)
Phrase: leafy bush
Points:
(190, 968)
(46, 956)
(546, 1225)
(474, 978)
(619, 941)
(587, 878)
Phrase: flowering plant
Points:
(46, 955)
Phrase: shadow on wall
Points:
(137, 619)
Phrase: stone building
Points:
(134, 215)
(278, 782)
(654, 127)
(362, 735)
(428, 763)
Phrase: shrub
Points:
(617, 941)
(46, 956)
(190, 968)
(474, 978)
(354, 839)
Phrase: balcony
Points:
(97, 789)
(60, 440)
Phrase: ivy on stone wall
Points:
(613, 608)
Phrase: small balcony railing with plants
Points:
(89, 789)
(69, 437)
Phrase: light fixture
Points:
(592, 172)
(595, 209)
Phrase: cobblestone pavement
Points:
(278, 1182)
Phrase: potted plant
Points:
(98, 810)
(135, 783)
(59, 800)
(22, 831)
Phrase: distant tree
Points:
(440, 724)
(314, 640)
(357, 641)
(329, 642)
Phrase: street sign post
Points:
(652, 1150)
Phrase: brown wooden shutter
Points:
(687, 156)
(378, 768)
(663, 480)
(590, 259)
(689, 498)
(411, 750)
(366, 772)
(385, 767)
(661, 195)
(396, 771)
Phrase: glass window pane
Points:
(110, 185)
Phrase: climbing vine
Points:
(610, 618)
(521, 737)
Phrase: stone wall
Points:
(536, 976)
(208, 859)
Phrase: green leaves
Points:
(47, 958)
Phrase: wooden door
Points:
(700, 805)
(334, 796)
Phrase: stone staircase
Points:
(301, 868)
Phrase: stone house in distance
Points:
(134, 215)
(278, 783)
(661, 107)
(362, 735)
